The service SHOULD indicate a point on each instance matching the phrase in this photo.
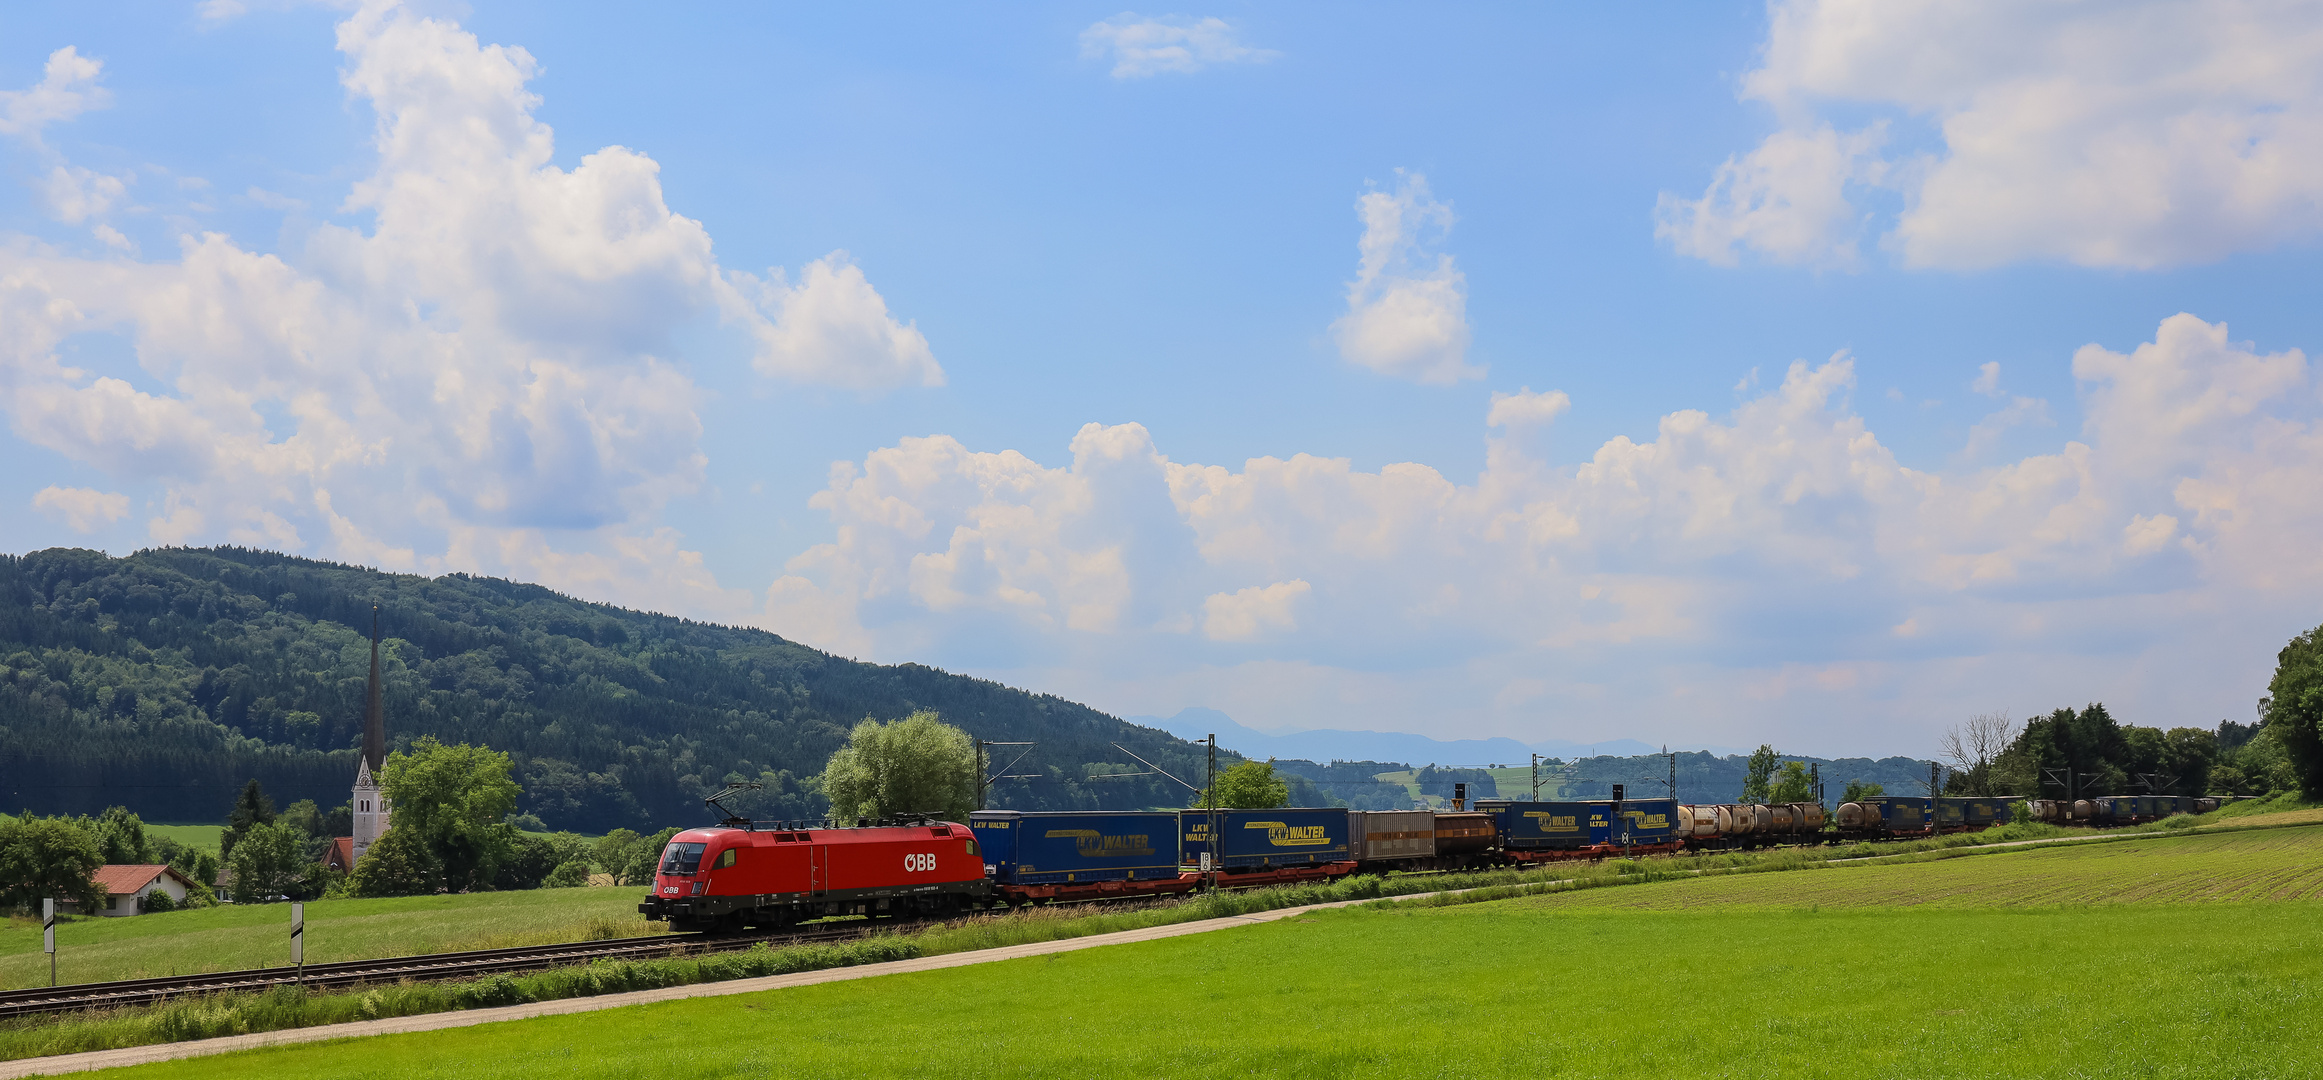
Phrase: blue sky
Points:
(1665, 405)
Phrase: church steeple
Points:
(374, 713)
(367, 802)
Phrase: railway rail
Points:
(430, 967)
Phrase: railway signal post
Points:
(48, 935)
(298, 939)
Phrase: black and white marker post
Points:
(298, 939)
(48, 935)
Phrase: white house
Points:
(128, 886)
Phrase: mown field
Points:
(2200, 966)
(231, 937)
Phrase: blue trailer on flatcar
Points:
(1640, 823)
(1581, 825)
(1046, 847)
(1259, 839)
(1902, 814)
(1035, 856)
(1971, 813)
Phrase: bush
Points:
(156, 902)
(566, 876)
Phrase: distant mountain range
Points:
(1331, 745)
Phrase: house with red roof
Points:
(127, 886)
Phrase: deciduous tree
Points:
(269, 863)
(2294, 707)
(1756, 782)
(51, 857)
(1973, 748)
(1250, 785)
(453, 800)
(1791, 784)
(918, 764)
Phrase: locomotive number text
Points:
(916, 863)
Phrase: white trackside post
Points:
(298, 938)
(48, 935)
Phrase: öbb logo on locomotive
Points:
(919, 862)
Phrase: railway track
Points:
(435, 966)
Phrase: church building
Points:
(368, 802)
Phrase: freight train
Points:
(743, 874)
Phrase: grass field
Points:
(1982, 985)
(230, 937)
(200, 837)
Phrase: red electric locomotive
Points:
(736, 875)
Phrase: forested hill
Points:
(164, 680)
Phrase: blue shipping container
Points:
(1565, 825)
(1900, 815)
(1542, 825)
(1642, 821)
(1054, 847)
(1290, 837)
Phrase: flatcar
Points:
(731, 876)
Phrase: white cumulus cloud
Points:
(1776, 563)
(832, 327)
(84, 509)
(1407, 309)
(67, 88)
(2137, 135)
(1244, 614)
(1525, 407)
(1141, 45)
(476, 376)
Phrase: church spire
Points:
(374, 713)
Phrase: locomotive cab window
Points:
(971, 847)
(681, 859)
(726, 858)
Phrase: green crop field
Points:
(2272, 864)
(235, 936)
(1983, 984)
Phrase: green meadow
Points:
(235, 936)
(2165, 956)
(198, 837)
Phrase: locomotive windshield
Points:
(681, 859)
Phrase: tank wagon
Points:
(731, 876)
(1740, 826)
